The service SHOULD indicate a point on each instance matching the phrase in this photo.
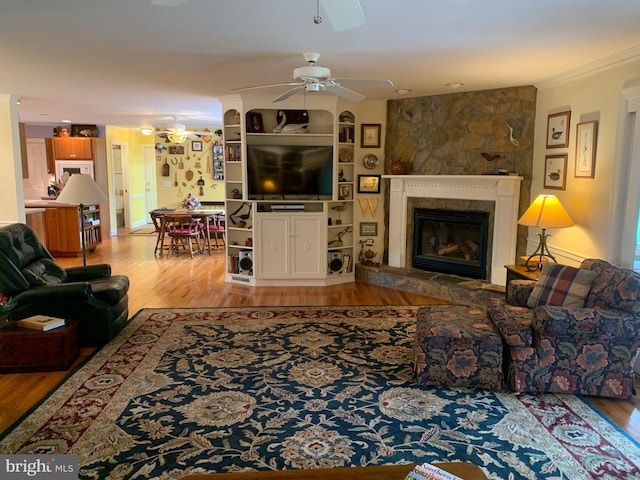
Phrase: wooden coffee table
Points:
(464, 470)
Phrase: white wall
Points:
(592, 96)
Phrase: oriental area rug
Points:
(188, 391)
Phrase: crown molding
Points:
(615, 60)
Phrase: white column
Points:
(397, 224)
(11, 185)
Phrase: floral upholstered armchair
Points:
(575, 330)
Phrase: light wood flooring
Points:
(180, 281)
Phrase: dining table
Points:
(205, 215)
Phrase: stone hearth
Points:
(452, 288)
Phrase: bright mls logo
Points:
(52, 467)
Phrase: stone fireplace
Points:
(503, 193)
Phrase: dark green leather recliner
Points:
(39, 286)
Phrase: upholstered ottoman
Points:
(457, 346)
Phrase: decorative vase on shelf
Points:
(398, 167)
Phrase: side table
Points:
(26, 350)
(520, 272)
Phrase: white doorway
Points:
(119, 162)
(623, 242)
(151, 191)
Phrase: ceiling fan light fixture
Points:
(177, 137)
(313, 87)
(177, 132)
(146, 131)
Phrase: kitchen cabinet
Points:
(67, 148)
(72, 148)
(62, 228)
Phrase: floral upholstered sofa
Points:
(575, 330)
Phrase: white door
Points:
(149, 154)
(35, 186)
(119, 162)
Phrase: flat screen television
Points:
(289, 172)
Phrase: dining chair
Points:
(183, 230)
(217, 228)
(156, 218)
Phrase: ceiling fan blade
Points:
(254, 87)
(343, 14)
(344, 92)
(365, 81)
(288, 93)
(168, 3)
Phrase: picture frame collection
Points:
(558, 136)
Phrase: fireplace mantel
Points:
(504, 190)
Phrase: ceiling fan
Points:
(342, 14)
(316, 78)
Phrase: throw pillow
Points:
(561, 285)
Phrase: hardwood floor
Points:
(180, 281)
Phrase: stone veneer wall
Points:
(446, 135)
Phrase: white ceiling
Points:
(131, 63)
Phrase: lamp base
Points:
(541, 252)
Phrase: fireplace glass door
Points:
(451, 241)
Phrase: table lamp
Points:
(81, 190)
(546, 211)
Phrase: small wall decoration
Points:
(370, 135)
(368, 183)
(558, 125)
(254, 122)
(555, 171)
(176, 149)
(196, 146)
(84, 130)
(369, 229)
(586, 134)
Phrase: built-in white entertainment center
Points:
(289, 178)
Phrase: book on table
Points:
(42, 323)
(426, 471)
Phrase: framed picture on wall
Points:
(368, 183)
(586, 133)
(196, 146)
(558, 125)
(369, 229)
(370, 135)
(555, 171)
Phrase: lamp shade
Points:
(81, 190)
(546, 211)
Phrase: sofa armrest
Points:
(88, 272)
(514, 323)
(518, 292)
(552, 321)
(55, 293)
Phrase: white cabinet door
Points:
(272, 246)
(288, 246)
(306, 233)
